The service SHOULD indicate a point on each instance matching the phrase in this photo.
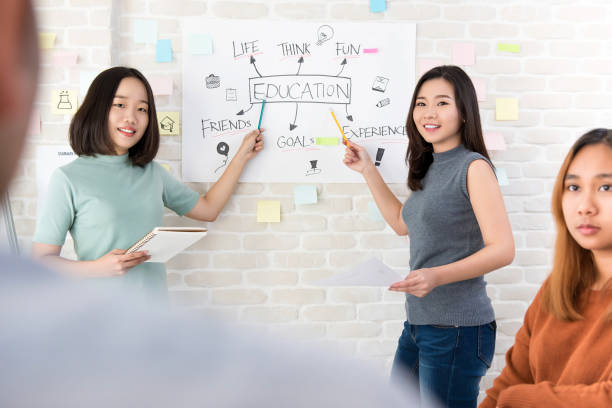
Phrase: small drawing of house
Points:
(167, 124)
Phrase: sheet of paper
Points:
(378, 6)
(85, 79)
(162, 85)
(64, 59)
(369, 273)
(506, 109)
(464, 54)
(494, 141)
(305, 194)
(46, 40)
(145, 31)
(49, 158)
(502, 176)
(169, 123)
(268, 211)
(514, 48)
(63, 101)
(480, 85)
(200, 44)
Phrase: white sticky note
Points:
(305, 194)
(145, 31)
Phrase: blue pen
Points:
(261, 114)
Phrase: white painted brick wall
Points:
(261, 274)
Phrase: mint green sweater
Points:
(106, 203)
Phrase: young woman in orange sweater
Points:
(562, 356)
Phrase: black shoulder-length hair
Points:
(420, 153)
(89, 127)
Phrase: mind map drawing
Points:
(303, 71)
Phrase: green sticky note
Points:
(327, 141)
(268, 211)
(506, 109)
(509, 47)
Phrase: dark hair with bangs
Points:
(89, 127)
(420, 153)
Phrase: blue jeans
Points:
(446, 361)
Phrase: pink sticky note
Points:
(426, 64)
(494, 141)
(480, 84)
(64, 59)
(34, 128)
(464, 54)
(162, 85)
(370, 50)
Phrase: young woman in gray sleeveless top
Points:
(459, 231)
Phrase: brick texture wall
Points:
(259, 274)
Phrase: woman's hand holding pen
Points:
(251, 144)
(418, 283)
(357, 158)
(117, 262)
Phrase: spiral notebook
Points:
(165, 242)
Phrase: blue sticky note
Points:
(373, 212)
(163, 51)
(502, 177)
(378, 6)
(305, 194)
(145, 31)
(200, 44)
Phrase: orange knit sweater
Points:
(558, 364)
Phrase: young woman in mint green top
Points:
(114, 193)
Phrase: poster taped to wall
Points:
(304, 71)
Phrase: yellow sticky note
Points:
(509, 47)
(63, 101)
(46, 40)
(327, 141)
(169, 123)
(506, 109)
(268, 211)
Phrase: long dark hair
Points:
(573, 269)
(420, 153)
(89, 127)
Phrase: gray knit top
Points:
(443, 229)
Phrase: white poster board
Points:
(49, 158)
(363, 71)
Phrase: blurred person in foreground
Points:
(66, 345)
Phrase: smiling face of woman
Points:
(128, 117)
(587, 199)
(436, 115)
